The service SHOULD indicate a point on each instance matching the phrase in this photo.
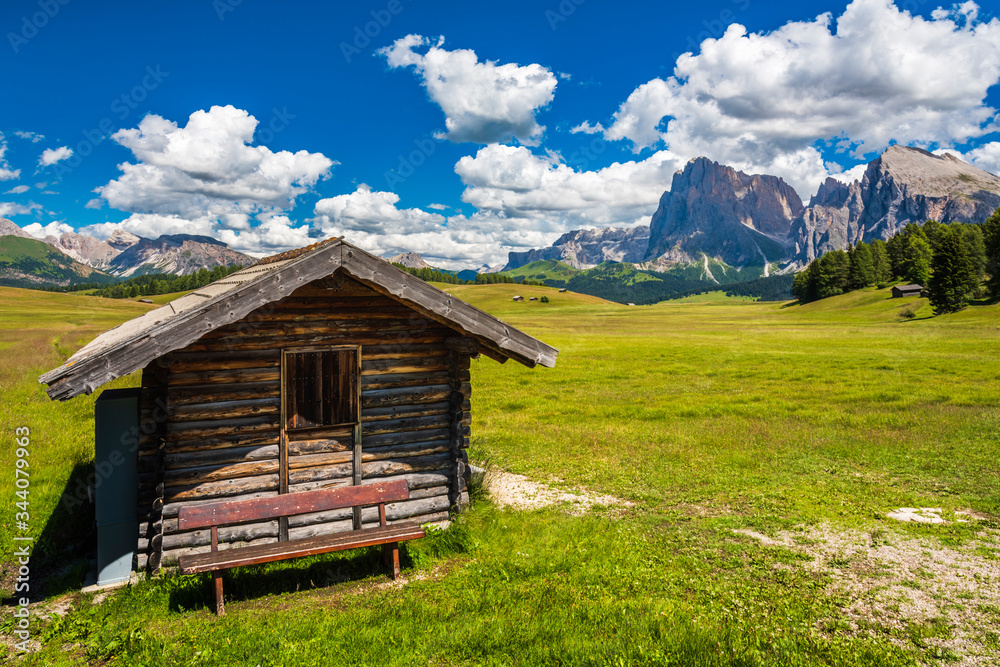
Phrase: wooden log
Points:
(317, 473)
(225, 409)
(224, 360)
(216, 473)
(215, 377)
(221, 489)
(378, 352)
(440, 420)
(259, 342)
(219, 393)
(405, 365)
(399, 411)
(377, 398)
(225, 441)
(343, 433)
(306, 447)
(220, 428)
(331, 324)
(404, 437)
(409, 464)
(246, 532)
(394, 381)
(215, 457)
(171, 556)
(312, 460)
(403, 451)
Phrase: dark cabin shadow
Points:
(62, 556)
(303, 574)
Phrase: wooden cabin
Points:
(320, 367)
(900, 291)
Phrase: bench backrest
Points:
(191, 517)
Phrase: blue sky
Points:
(459, 130)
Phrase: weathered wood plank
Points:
(375, 398)
(224, 513)
(224, 409)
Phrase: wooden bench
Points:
(258, 509)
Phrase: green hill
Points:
(544, 269)
(34, 264)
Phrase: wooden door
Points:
(320, 432)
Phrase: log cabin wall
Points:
(219, 402)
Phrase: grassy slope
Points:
(44, 262)
(709, 416)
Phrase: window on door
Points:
(321, 387)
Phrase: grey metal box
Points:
(116, 426)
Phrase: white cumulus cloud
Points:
(206, 177)
(986, 157)
(8, 209)
(40, 231)
(586, 128)
(52, 155)
(876, 74)
(483, 102)
(6, 173)
(552, 196)
(18, 190)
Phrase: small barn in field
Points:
(900, 291)
(320, 367)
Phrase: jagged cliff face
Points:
(740, 219)
(178, 253)
(84, 249)
(586, 248)
(830, 222)
(901, 186)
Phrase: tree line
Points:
(950, 260)
(431, 275)
(164, 283)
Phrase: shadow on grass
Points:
(303, 574)
(60, 557)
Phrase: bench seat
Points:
(309, 546)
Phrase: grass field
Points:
(759, 447)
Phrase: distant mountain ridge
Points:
(715, 216)
(124, 254)
(586, 248)
(27, 262)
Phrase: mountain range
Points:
(715, 218)
(71, 258)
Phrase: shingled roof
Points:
(133, 344)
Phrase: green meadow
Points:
(752, 450)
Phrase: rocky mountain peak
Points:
(121, 239)
(8, 228)
(741, 219)
(410, 260)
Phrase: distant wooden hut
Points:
(562, 289)
(320, 367)
(518, 298)
(900, 291)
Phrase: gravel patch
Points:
(521, 493)
(894, 581)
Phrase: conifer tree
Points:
(954, 276)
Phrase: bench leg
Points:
(220, 605)
(390, 555)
